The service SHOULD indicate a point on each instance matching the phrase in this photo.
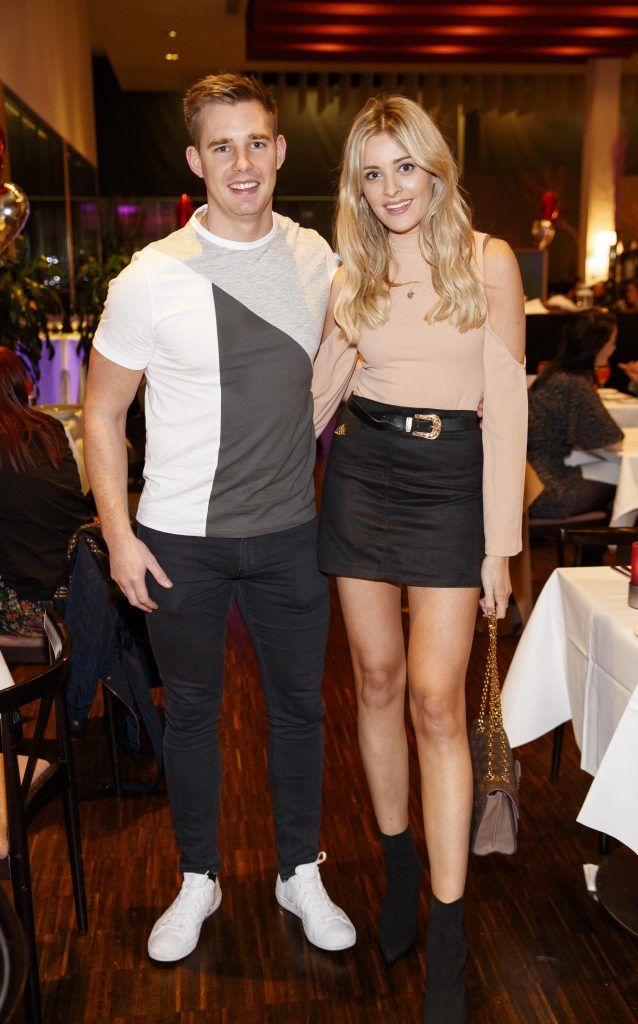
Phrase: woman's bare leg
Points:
(372, 614)
(441, 630)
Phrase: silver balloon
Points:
(543, 232)
(14, 211)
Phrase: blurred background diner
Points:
(565, 413)
(41, 503)
(538, 103)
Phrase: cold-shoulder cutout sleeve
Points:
(504, 401)
(334, 365)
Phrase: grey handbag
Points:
(496, 775)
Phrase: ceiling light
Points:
(171, 56)
(172, 34)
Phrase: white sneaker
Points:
(325, 925)
(176, 933)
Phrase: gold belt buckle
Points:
(436, 425)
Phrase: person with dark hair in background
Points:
(224, 317)
(629, 301)
(565, 412)
(41, 503)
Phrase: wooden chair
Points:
(581, 537)
(13, 960)
(621, 537)
(32, 780)
(554, 528)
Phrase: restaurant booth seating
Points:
(37, 770)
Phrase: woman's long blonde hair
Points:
(446, 237)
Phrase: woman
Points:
(416, 494)
(566, 413)
(629, 301)
(41, 503)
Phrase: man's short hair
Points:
(225, 88)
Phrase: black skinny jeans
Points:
(283, 599)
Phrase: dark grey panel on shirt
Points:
(263, 482)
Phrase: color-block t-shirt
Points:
(226, 333)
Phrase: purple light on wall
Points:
(127, 209)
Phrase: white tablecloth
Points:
(623, 408)
(578, 659)
(619, 468)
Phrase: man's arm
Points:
(110, 391)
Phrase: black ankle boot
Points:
(400, 909)
(445, 956)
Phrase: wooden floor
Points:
(541, 949)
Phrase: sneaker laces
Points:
(187, 904)
(313, 895)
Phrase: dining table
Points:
(577, 660)
(619, 468)
(621, 406)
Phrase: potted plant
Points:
(26, 303)
(91, 288)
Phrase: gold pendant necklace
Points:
(412, 289)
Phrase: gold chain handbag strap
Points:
(491, 718)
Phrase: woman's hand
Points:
(495, 576)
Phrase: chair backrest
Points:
(42, 687)
(14, 695)
(601, 536)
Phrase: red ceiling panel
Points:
(394, 32)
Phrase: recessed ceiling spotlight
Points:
(172, 34)
(171, 56)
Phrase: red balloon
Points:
(184, 210)
(549, 205)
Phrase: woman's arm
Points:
(334, 365)
(589, 424)
(504, 422)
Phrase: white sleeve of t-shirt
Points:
(125, 332)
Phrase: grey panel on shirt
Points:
(263, 482)
(285, 281)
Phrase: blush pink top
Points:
(409, 362)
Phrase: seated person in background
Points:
(41, 503)
(562, 295)
(630, 370)
(629, 301)
(566, 413)
(600, 290)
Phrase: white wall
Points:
(45, 59)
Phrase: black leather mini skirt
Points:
(401, 507)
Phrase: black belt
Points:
(419, 424)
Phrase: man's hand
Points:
(130, 560)
(497, 588)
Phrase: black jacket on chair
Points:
(109, 643)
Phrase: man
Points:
(224, 318)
